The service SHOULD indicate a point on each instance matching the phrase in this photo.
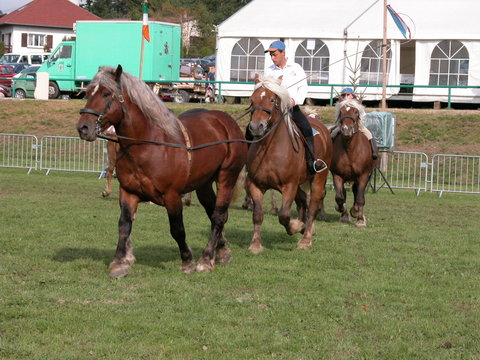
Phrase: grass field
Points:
(405, 287)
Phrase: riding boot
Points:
(313, 166)
(373, 144)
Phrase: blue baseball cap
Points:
(348, 91)
(276, 45)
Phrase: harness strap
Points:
(188, 144)
(267, 110)
(90, 111)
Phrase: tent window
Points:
(247, 58)
(314, 57)
(449, 64)
(371, 71)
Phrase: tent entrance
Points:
(407, 66)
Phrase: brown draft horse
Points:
(154, 164)
(278, 162)
(112, 148)
(352, 160)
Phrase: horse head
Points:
(267, 104)
(349, 115)
(105, 104)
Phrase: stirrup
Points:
(319, 168)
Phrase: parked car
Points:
(6, 75)
(29, 69)
(24, 58)
(210, 59)
(25, 86)
(17, 67)
(5, 91)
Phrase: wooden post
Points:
(384, 57)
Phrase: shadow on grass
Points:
(154, 256)
(273, 238)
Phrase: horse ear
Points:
(257, 78)
(118, 73)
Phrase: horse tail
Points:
(239, 185)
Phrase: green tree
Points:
(110, 9)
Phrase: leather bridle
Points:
(100, 115)
(355, 121)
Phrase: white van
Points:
(32, 59)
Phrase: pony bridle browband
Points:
(101, 115)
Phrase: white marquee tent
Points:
(335, 41)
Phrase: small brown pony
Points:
(352, 160)
(162, 157)
(278, 162)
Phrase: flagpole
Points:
(384, 57)
(145, 35)
(142, 48)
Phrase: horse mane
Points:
(274, 86)
(141, 95)
(353, 103)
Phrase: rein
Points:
(119, 97)
(110, 137)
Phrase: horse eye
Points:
(106, 94)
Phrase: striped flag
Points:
(402, 26)
(145, 28)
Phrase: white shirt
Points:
(294, 79)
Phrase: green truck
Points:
(74, 63)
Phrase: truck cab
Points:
(60, 66)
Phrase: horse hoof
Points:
(205, 265)
(223, 256)
(120, 271)
(304, 244)
(296, 226)
(105, 193)
(361, 223)
(188, 267)
(256, 249)
(344, 219)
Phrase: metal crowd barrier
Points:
(405, 170)
(455, 173)
(19, 151)
(398, 169)
(72, 154)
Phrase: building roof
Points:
(49, 13)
